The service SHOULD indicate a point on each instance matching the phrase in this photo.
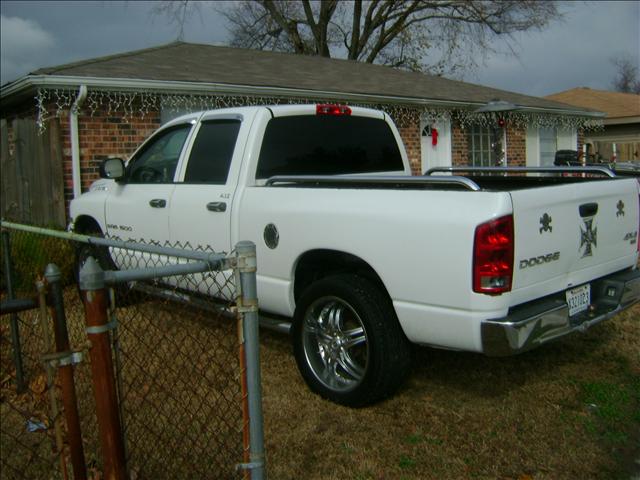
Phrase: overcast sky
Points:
(575, 52)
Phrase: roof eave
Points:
(27, 84)
(622, 120)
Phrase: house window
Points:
(548, 146)
(484, 146)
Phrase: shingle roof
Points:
(190, 62)
(614, 104)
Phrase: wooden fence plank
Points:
(58, 214)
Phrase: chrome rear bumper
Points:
(530, 325)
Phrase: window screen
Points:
(212, 152)
(327, 145)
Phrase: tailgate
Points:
(567, 235)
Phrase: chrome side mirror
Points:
(113, 169)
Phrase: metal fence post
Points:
(15, 332)
(248, 307)
(53, 400)
(95, 298)
(65, 361)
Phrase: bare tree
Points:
(177, 13)
(626, 79)
(439, 36)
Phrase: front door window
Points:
(156, 161)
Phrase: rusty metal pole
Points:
(65, 360)
(55, 411)
(95, 300)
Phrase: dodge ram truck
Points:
(366, 259)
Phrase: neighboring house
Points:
(77, 114)
(621, 131)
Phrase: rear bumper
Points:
(532, 324)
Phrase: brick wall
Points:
(516, 147)
(410, 134)
(459, 145)
(105, 134)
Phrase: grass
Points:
(564, 411)
(30, 254)
(468, 416)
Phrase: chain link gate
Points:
(179, 328)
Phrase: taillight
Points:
(493, 256)
(332, 109)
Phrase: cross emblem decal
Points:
(588, 238)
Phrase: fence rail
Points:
(161, 355)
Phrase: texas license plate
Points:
(578, 299)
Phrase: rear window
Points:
(327, 145)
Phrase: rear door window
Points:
(327, 145)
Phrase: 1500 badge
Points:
(124, 228)
(540, 260)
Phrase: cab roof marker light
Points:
(332, 109)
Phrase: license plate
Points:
(578, 299)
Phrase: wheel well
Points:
(317, 264)
(86, 224)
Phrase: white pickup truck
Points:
(366, 258)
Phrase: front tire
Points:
(86, 250)
(102, 256)
(347, 341)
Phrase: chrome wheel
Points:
(335, 343)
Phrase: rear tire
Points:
(347, 341)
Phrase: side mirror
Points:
(113, 169)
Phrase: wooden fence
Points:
(32, 185)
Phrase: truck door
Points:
(200, 212)
(138, 208)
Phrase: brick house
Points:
(78, 114)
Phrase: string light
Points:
(54, 103)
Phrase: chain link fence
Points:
(31, 431)
(176, 327)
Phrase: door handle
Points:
(217, 206)
(158, 203)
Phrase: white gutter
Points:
(75, 141)
(35, 81)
